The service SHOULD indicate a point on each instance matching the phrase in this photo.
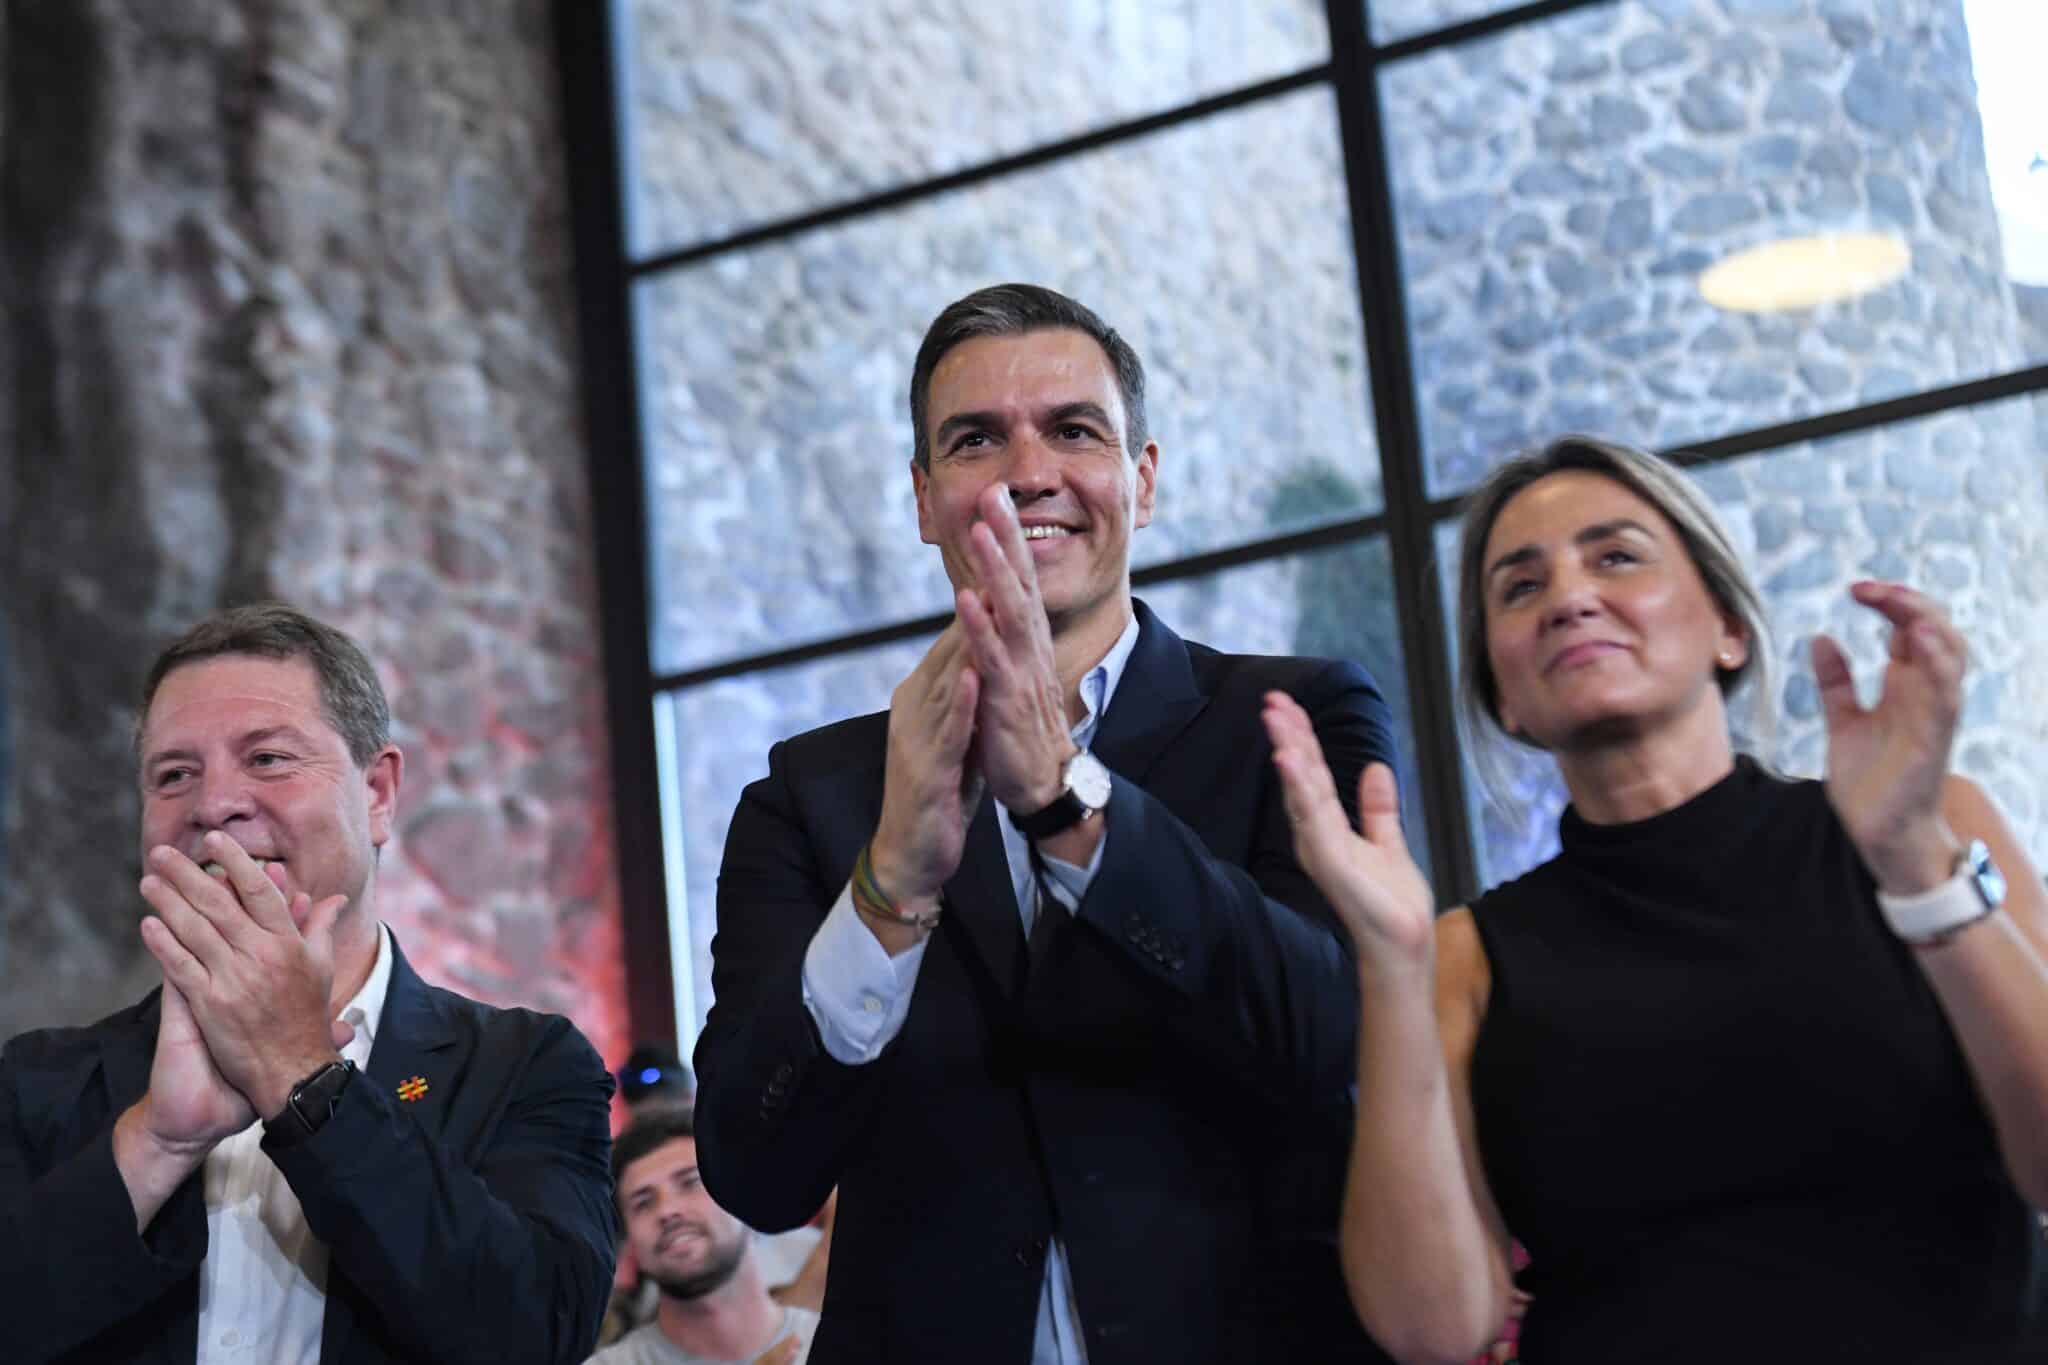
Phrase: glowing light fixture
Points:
(1805, 272)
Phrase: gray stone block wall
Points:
(1561, 187)
(294, 318)
(751, 110)
(2032, 302)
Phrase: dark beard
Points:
(723, 1264)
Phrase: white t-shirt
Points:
(647, 1346)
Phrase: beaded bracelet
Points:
(869, 898)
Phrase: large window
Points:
(1367, 248)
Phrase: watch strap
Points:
(1065, 812)
(311, 1104)
(1083, 772)
(1972, 892)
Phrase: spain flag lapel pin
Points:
(411, 1088)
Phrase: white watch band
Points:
(1934, 914)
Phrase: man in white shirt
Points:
(1026, 965)
(296, 1151)
(714, 1302)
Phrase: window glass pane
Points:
(777, 434)
(1563, 189)
(746, 112)
(1956, 505)
(1333, 604)
(722, 734)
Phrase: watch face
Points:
(1088, 780)
(1989, 880)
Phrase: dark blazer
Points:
(475, 1223)
(1169, 1096)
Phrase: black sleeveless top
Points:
(1719, 1104)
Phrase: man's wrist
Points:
(888, 870)
(275, 1097)
(312, 1102)
(895, 936)
(1050, 787)
(1040, 795)
(152, 1166)
(876, 905)
(135, 1134)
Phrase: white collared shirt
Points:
(263, 1283)
(860, 996)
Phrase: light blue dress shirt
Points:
(859, 995)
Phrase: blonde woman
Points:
(1756, 1069)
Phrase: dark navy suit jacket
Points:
(474, 1223)
(1168, 1096)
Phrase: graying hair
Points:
(350, 695)
(1707, 543)
(1004, 310)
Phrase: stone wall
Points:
(1562, 187)
(748, 112)
(293, 317)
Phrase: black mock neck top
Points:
(1718, 1102)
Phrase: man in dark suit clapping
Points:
(296, 1150)
(1026, 966)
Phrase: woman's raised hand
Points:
(1372, 882)
(1886, 762)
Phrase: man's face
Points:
(1041, 414)
(680, 1239)
(239, 743)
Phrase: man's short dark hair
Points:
(350, 694)
(650, 1129)
(1005, 310)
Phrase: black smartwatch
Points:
(312, 1102)
(1085, 787)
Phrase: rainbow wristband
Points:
(870, 899)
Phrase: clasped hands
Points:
(984, 705)
(246, 1013)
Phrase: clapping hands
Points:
(1886, 762)
(1369, 877)
(246, 1013)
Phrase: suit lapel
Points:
(415, 1046)
(980, 899)
(1155, 700)
(414, 1041)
